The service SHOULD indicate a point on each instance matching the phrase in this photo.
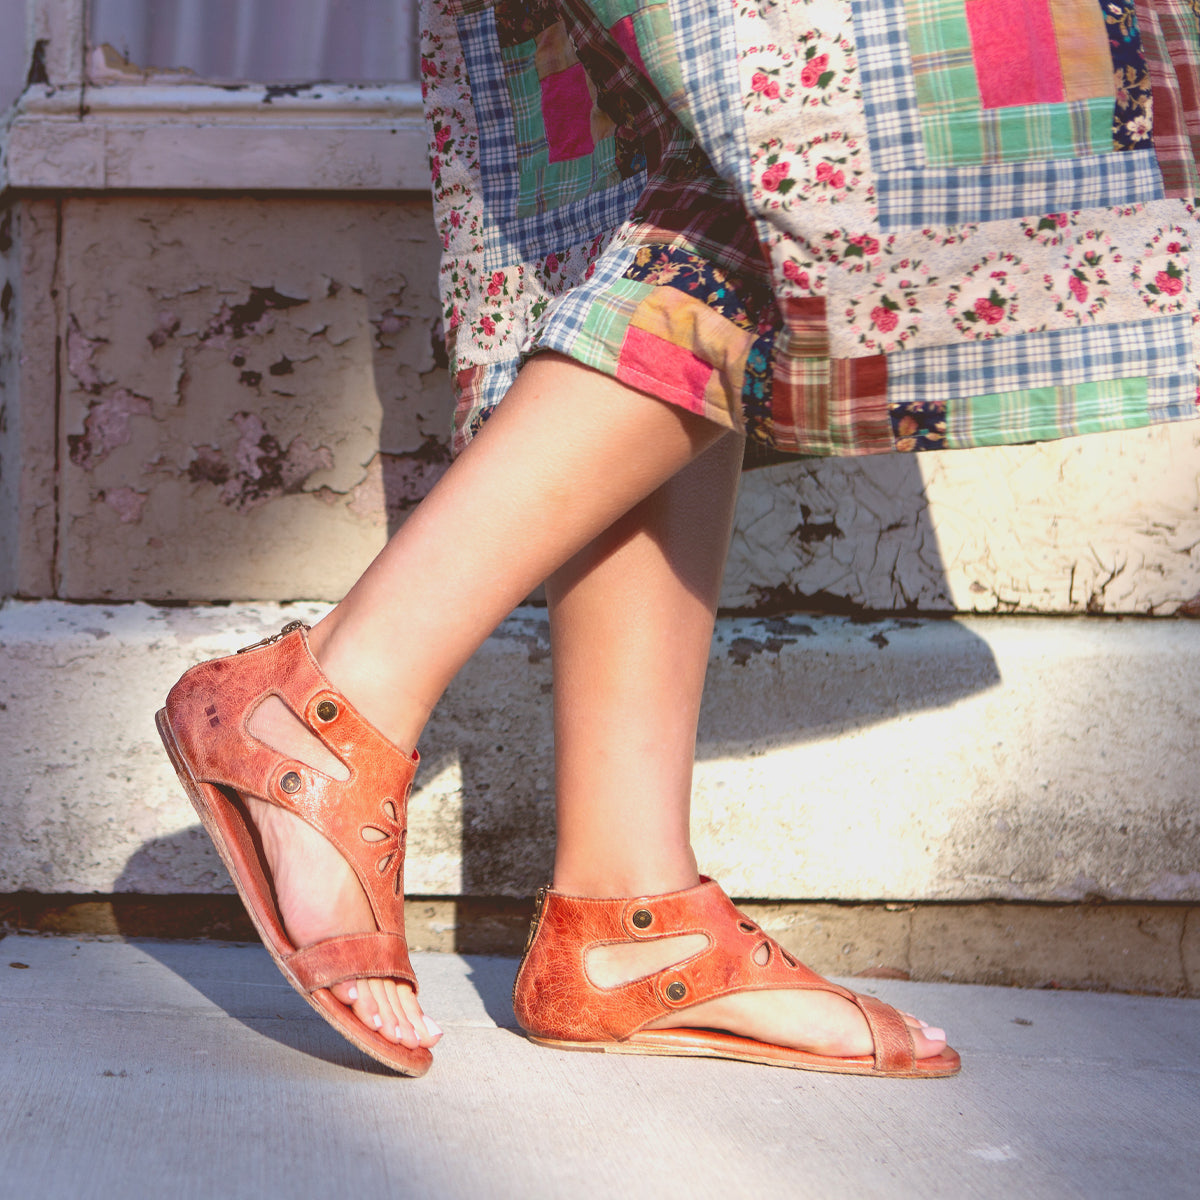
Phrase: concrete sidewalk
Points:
(191, 1070)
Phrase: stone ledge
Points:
(902, 760)
(1094, 947)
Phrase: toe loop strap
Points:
(353, 956)
(894, 1050)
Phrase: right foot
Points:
(318, 894)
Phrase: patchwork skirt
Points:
(837, 226)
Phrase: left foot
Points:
(318, 894)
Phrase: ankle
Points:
(580, 877)
(398, 715)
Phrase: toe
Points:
(426, 1028)
(928, 1042)
(399, 1022)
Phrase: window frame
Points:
(67, 133)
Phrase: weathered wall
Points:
(28, 388)
(245, 384)
(249, 398)
(1107, 524)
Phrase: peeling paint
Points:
(109, 424)
(263, 469)
(254, 316)
(208, 466)
(81, 351)
(167, 327)
(394, 483)
(126, 503)
(780, 633)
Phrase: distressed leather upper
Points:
(554, 998)
(364, 816)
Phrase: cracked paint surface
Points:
(260, 374)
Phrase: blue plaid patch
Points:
(889, 94)
(706, 37)
(953, 196)
(563, 322)
(1161, 347)
(1172, 397)
(508, 237)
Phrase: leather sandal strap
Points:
(554, 998)
(894, 1050)
(363, 816)
(353, 956)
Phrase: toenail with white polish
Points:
(353, 994)
(378, 1021)
(934, 1035)
(432, 1026)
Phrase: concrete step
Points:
(1030, 759)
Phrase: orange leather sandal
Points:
(558, 1005)
(204, 727)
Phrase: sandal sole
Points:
(706, 1043)
(204, 797)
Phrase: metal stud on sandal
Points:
(558, 1004)
(205, 728)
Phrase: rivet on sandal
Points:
(205, 728)
(557, 1004)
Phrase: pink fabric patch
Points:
(1015, 52)
(673, 373)
(625, 37)
(567, 114)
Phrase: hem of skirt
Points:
(649, 385)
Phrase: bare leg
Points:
(567, 453)
(631, 620)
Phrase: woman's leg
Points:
(631, 620)
(567, 453)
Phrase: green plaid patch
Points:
(599, 342)
(1022, 133)
(1037, 414)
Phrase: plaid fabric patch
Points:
(588, 323)
(957, 129)
(479, 389)
(951, 197)
(858, 409)
(1171, 39)
(1036, 414)
(554, 208)
(1057, 358)
(706, 40)
(913, 194)
(685, 201)
(889, 93)
(801, 381)
(1173, 397)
